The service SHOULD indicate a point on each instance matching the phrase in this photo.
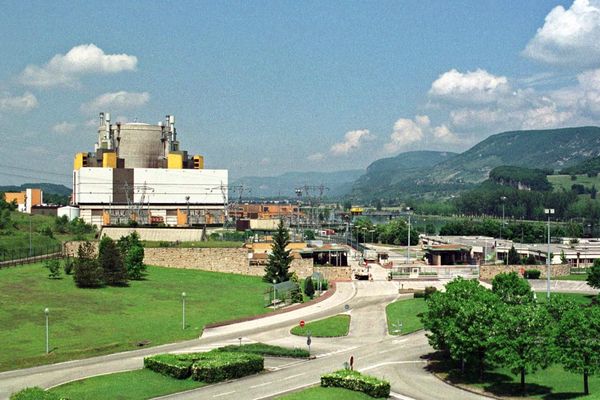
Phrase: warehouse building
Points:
(138, 172)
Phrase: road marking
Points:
(336, 352)
(262, 384)
(400, 396)
(293, 376)
(224, 394)
(399, 341)
(392, 363)
(268, 396)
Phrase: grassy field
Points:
(560, 182)
(328, 393)
(572, 277)
(338, 325)
(132, 385)
(89, 322)
(210, 243)
(576, 297)
(406, 312)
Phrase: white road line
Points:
(400, 396)
(392, 363)
(262, 384)
(293, 376)
(286, 390)
(224, 394)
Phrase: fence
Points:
(11, 257)
(444, 272)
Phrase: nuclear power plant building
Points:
(137, 172)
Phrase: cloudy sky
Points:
(261, 88)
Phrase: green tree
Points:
(111, 262)
(134, 262)
(309, 288)
(87, 271)
(524, 339)
(279, 259)
(53, 267)
(512, 289)
(593, 278)
(578, 342)
(309, 234)
(513, 256)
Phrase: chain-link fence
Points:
(11, 257)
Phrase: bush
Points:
(533, 274)
(221, 366)
(172, 365)
(68, 265)
(354, 380)
(419, 294)
(213, 366)
(35, 393)
(309, 288)
(266, 350)
(429, 290)
(53, 267)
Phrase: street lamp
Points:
(548, 211)
(187, 200)
(372, 236)
(46, 312)
(274, 292)
(183, 309)
(503, 198)
(408, 248)
(30, 248)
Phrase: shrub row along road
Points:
(397, 359)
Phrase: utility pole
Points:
(548, 211)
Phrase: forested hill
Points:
(389, 175)
(553, 149)
(47, 188)
(589, 166)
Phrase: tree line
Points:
(479, 328)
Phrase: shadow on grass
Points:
(562, 396)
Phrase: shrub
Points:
(221, 366)
(87, 271)
(533, 274)
(68, 265)
(172, 365)
(266, 350)
(429, 290)
(53, 267)
(34, 393)
(354, 380)
(419, 294)
(309, 288)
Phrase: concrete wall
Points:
(233, 261)
(488, 272)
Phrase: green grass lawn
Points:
(576, 297)
(211, 244)
(89, 322)
(338, 325)
(552, 383)
(132, 385)
(407, 312)
(328, 393)
(572, 277)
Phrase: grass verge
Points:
(335, 326)
(407, 313)
(329, 393)
(132, 385)
(90, 322)
(201, 245)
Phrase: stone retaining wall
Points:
(229, 260)
(488, 272)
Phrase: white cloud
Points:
(116, 100)
(408, 132)
(64, 127)
(352, 141)
(569, 37)
(316, 157)
(66, 69)
(442, 133)
(24, 103)
(471, 87)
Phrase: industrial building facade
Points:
(138, 173)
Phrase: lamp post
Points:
(46, 312)
(548, 211)
(187, 201)
(503, 198)
(30, 248)
(183, 309)
(408, 244)
(372, 235)
(274, 293)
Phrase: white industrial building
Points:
(138, 173)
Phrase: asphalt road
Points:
(397, 359)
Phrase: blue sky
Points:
(262, 88)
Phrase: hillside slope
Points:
(554, 148)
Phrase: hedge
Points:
(354, 380)
(266, 350)
(533, 274)
(35, 393)
(177, 366)
(221, 366)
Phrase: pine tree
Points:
(87, 272)
(280, 258)
(309, 288)
(513, 256)
(111, 262)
